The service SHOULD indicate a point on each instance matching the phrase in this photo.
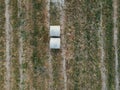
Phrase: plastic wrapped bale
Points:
(54, 43)
(55, 31)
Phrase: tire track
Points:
(20, 47)
(49, 53)
(115, 38)
(8, 31)
(102, 51)
(63, 54)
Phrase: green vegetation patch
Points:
(108, 27)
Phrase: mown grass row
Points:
(14, 59)
(40, 45)
(109, 50)
(54, 13)
(56, 54)
(2, 44)
(91, 44)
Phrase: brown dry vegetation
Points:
(81, 44)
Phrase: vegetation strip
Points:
(8, 31)
(115, 43)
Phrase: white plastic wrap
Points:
(55, 31)
(54, 43)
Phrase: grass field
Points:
(89, 58)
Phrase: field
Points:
(89, 57)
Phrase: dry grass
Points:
(82, 45)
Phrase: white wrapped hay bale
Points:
(54, 43)
(55, 31)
